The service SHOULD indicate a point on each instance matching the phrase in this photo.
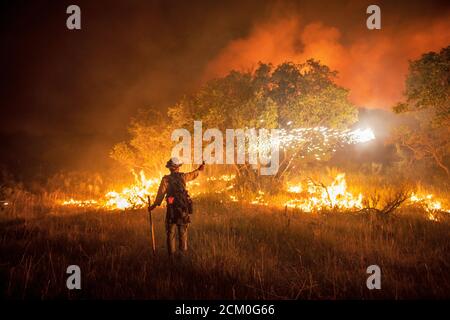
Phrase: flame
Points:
(309, 197)
(319, 197)
(295, 189)
(431, 206)
(134, 196)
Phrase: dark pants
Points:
(171, 237)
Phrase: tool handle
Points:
(152, 231)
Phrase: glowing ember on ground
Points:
(80, 203)
(259, 200)
(224, 177)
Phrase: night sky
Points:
(67, 96)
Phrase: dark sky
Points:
(67, 96)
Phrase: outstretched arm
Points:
(189, 176)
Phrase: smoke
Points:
(372, 64)
(67, 96)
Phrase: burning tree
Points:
(428, 101)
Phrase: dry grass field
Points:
(236, 252)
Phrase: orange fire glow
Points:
(321, 197)
(307, 197)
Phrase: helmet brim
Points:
(173, 165)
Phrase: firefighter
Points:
(179, 204)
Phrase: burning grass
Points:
(237, 251)
(310, 195)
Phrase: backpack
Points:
(181, 202)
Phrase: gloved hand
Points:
(202, 166)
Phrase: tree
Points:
(427, 100)
(149, 145)
(286, 96)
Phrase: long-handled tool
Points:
(152, 231)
